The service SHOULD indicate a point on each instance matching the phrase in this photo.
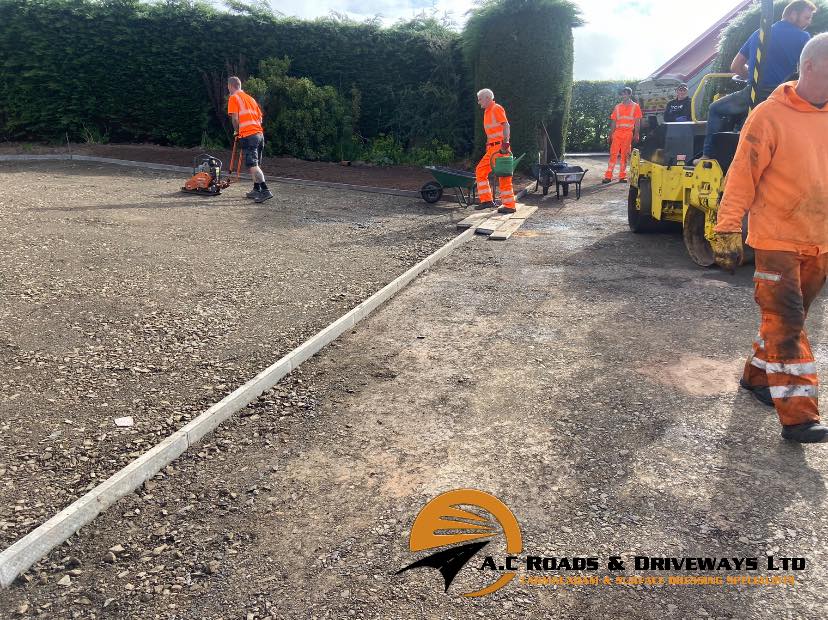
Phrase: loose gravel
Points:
(122, 297)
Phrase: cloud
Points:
(390, 8)
(620, 40)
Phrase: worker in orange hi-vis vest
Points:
(247, 122)
(496, 126)
(625, 129)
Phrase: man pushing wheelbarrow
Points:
(496, 126)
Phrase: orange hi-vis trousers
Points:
(786, 283)
(482, 172)
(621, 145)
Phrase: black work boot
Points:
(265, 194)
(810, 432)
(605, 180)
(506, 210)
(485, 205)
(252, 194)
(760, 392)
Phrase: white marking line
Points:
(36, 544)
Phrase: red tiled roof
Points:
(701, 52)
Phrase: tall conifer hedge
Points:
(523, 51)
(154, 71)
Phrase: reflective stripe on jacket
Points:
(626, 115)
(493, 119)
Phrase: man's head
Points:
(485, 97)
(233, 84)
(813, 69)
(626, 94)
(799, 13)
(681, 92)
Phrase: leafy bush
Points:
(300, 118)
(388, 150)
(592, 104)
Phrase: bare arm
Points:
(235, 119)
(507, 132)
(637, 131)
(739, 66)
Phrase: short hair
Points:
(626, 89)
(487, 92)
(797, 6)
(234, 81)
(816, 48)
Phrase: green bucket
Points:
(504, 166)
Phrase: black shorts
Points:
(252, 147)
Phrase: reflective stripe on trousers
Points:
(785, 286)
(484, 189)
(620, 147)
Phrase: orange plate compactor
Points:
(206, 179)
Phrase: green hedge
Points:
(523, 51)
(592, 104)
(300, 118)
(134, 71)
(744, 25)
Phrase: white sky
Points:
(622, 39)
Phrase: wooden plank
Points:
(523, 212)
(474, 219)
(497, 222)
(492, 224)
(506, 230)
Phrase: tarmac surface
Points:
(585, 376)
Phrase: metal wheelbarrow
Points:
(463, 183)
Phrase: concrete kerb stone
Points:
(29, 549)
(50, 157)
(188, 170)
(35, 545)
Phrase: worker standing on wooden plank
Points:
(496, 126)
(624, 130)
(778, 177)
(247, 121)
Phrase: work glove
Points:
(504, 148)
(728, 250)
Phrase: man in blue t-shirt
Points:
(787, 39)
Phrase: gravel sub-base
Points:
(122, 297)
(584, 375)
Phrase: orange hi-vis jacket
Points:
(625, 117)
(493, 118)
(778, 176)
(250, 115)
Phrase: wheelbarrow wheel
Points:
(431, 192)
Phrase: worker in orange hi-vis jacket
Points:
(778, 177)
(496, 126)
(247, 122)
(624, 131)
